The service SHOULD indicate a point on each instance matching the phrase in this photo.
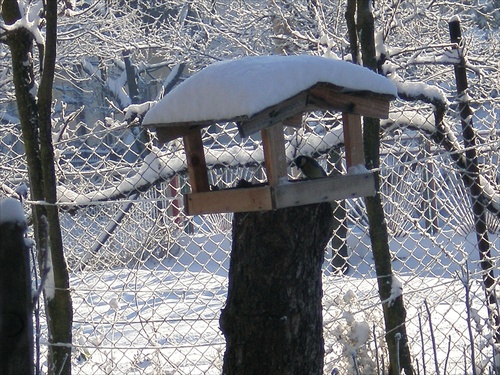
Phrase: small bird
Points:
(309, 167)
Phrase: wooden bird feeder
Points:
(279, 192)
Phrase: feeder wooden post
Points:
(197, 166)
(273, 142)
(353, 139)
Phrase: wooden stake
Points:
(353, 139)
(197, 166)
(273, 142)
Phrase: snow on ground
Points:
(227, 89)
(162, 317)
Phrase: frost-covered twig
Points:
(355, 363)
(422, 343)
(433, 339)
(448, 352)
(465, 279)
(376, 348)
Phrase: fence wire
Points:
(148, 282)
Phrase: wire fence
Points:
(148, 282)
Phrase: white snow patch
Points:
(50, 285)
(414, 118)
(11, 211)
(113, 304)
(360, 333)
(357, 169)
(228, 89)
(153, 168)
(30, 21)
(29, 242)
(489, 191)
(396, 290)
(117, 87)
(22, 190)
(137, 110)
(380, 47)
(415, 89)
(174, 302)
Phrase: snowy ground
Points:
(162, 318)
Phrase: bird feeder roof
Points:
(259, 91)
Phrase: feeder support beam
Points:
(353, 139)
(197, 165)
(273, 142)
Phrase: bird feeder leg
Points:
(197, 166)
(273, 142)
(353, 139)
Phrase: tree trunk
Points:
(475, 188)
(273, 316)
(393, 309)
(58, 307)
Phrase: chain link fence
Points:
(148, 282)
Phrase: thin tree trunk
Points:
(272, 320)
(58, 307)
(350, 17)
(393, 308)
(475, 188)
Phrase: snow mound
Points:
(228, 89)
(11, 211)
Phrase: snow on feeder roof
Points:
(243, 87)
(262, 93)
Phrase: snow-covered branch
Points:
(30, 20)
(159, 166)
(443, 136)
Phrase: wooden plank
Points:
(273, 142)
(169, 133)
(274, 114)
(365, 104)
(295, 121)
(326, 189)
(353, 139)
(229, 200)
(197, 166)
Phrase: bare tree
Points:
(34, 107)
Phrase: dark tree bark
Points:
(350, 17)
(393, 309)
(475, 188)
(133, 90)
(273, 317)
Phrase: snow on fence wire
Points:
(148, 283)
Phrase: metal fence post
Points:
(16, 324)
